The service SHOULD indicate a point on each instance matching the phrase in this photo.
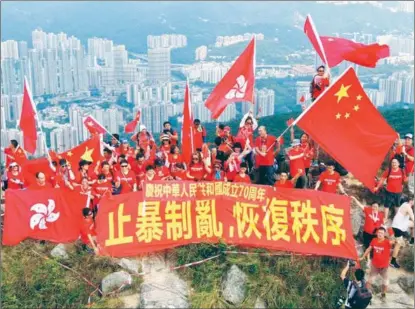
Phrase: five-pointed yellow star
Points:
(356, 108)
(347, 115)
(359, 97)
(69, 154)
(342, 93)
(338, 116)
(88, 155)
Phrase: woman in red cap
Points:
(15, 179)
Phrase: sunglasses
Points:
(124, 165)
(195, 159)
(320, 71)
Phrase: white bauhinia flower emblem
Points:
(43, 214)
(238, 90)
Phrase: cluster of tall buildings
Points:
(201, 53)
(398, 45)
(207, 72)
(235, 39)
(166, 41)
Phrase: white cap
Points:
(409, 135)
(142, 127)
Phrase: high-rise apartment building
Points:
(159, 65)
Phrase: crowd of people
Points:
(249, 155)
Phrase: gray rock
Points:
(233, 287)
(357, 220)
(59, 252)
(406, 283)
(131, 265)
(260, 304)
(115, 281)
(131, 301)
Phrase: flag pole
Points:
(37, 117)
(102, 126)
(320, 44)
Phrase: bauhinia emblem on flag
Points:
(43, 214)
(130, 127)
(28, 121)
(237, 85)
(93, 126)
(345, 123)
(334, 50)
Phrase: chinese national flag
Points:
(130, 127)
(187, 127)
(334, 50)
(237, 85)
(90, 150)
(27, 120)
(53, 215)
(93, 126)
(17, 156)
(348, 127)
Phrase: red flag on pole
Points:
(53, 215)
(348, 127)
(334, 50)
(187, 127)
(302, 99)
(93, 126)
(237, 85)
(27, 120)
(130, 127)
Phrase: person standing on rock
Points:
(373, 220)
(403, 220)
(395, 178)
(330, 180)
(381, 247)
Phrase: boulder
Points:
(357, 220)
(131, 265)
(59, 252)
(233, 287)
(116, 281)
(406, 283)
(260, 304)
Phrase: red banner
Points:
(167, 215)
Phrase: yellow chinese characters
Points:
(149, 224)
(302, 215)
(246, 219)
(178, 220)
(332, 222)
(276, 220)
(206, 223)
(122, 219)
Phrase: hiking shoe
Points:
(394, 264)
(383, 297)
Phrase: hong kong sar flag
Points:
(237, 85)
(54, 215)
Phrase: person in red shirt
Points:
(283, 182)
(15, 153)
(199, 135)
(174, 158)
(180, 172)
(15, 179)
(242, 176)
(88, 232)
(101, 188)
(319, 83)
(110, 156)
(264, 156)
(105, 169)
(408, 152)
(150, 175)
(330, 180)
(40, 183)
(126, 150)
(64, 175)
(296, 156)
(307, 148)
(233, 162)
(84, 172)
(84, 188)
(144, 140)
(172, 134)
(373, 220)
(126, 179)
(161, 170)
(217, 173)
(198, 169)
(395, 178)
(139, 168)
(165, 146)
(381, 247)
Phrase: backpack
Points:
(362, 297)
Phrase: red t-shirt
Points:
(82, 191)
(102, 188)
(36, 186)
(108, 176)
(239, 178)
(12, 179)
(267, 144)
(79, 175)
(127, 181)
(198, 134)
(381, 252)
(395, 180)
(197, 170)
(162, 171)
(409, 165)
(88, 227)
(180, 175)
(244, 134)
(322, 82)
(308, 154)
(296, 164)
(140, 170)
(329, 182)
(372, 220)
(287, 184)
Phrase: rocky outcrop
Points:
(59, 252)
(131, 265)
(116, 282)
(233, 287)
(406, 282)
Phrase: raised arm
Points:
(361, 206)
